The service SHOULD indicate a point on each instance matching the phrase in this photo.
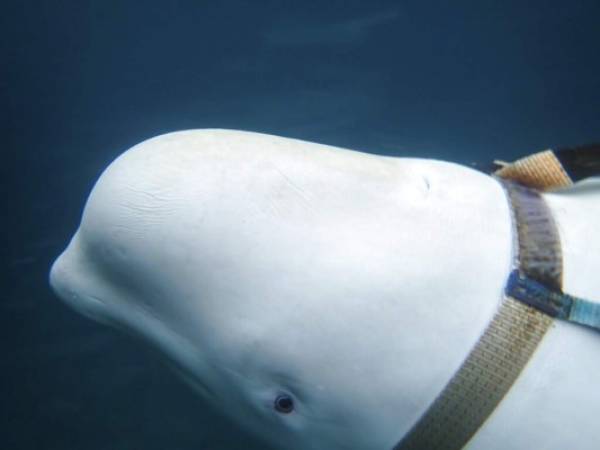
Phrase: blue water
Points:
(81, 81)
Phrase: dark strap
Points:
(580, 162)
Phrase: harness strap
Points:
(533, 296)
(506, 345)
(538, 171)
(553, 169)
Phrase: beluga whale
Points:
(329, 299)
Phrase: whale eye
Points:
(284, 404)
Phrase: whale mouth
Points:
(65, 283)
(190, 379)
(73, 280)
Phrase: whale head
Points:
(310, 293)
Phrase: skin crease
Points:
(353, 284)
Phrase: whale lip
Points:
(68, 280)
(59, 280)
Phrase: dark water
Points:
(81, 81)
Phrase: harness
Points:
(532, 298)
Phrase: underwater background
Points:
(82, 81)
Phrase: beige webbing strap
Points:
(482, 381)
(542, 171)
(511, 337)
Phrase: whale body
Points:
(321, 297)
